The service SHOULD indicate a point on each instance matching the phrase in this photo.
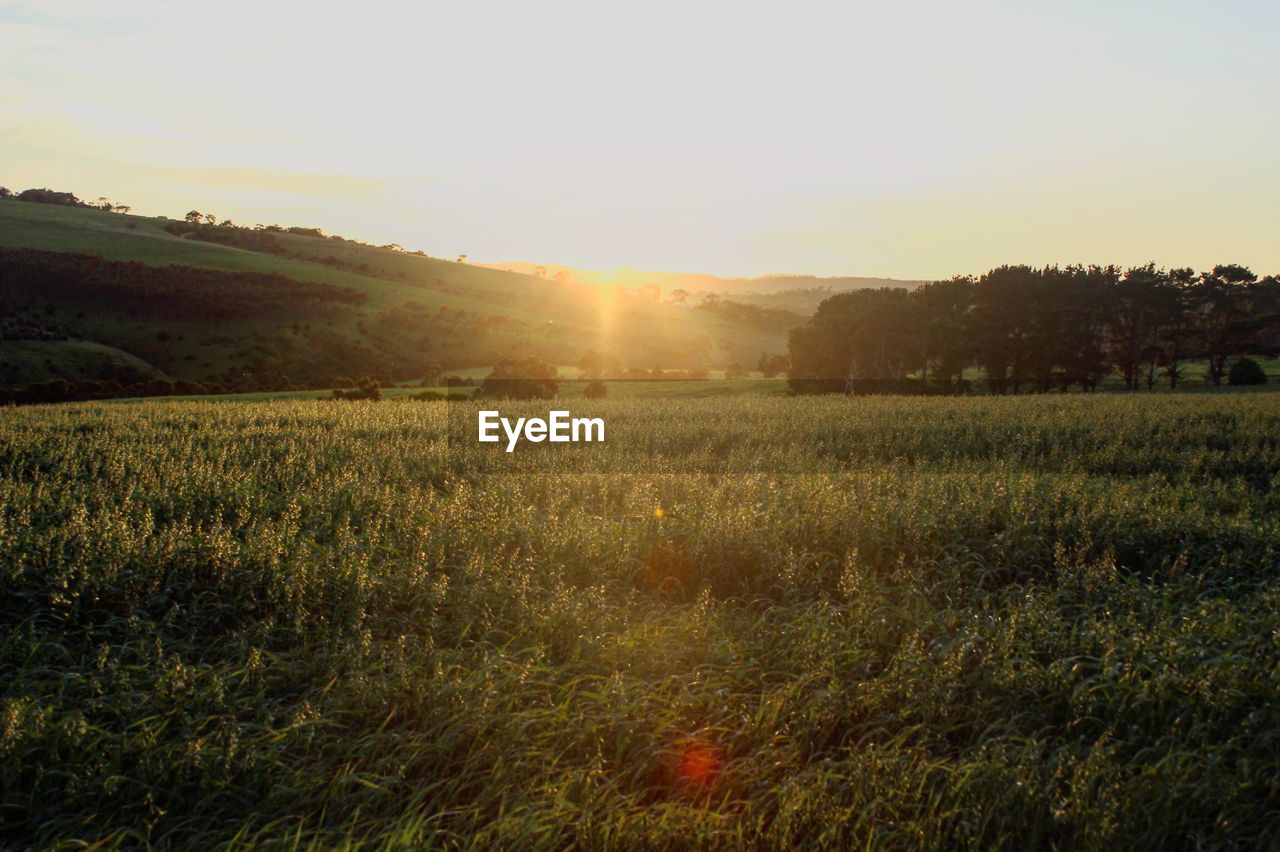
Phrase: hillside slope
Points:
(413, 312)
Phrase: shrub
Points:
(595, 390)
(367, 389)
(520, 378)
(1246, 371)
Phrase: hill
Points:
(406, 313)
(798, 293)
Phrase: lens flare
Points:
(699, 764)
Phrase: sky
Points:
(909, 140)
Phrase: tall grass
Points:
(895, 623)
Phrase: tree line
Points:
(1038, 329)
(45, 195)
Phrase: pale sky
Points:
(911, 139)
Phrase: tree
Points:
(733, 370)
(591, 364)
(595, 390)
(1037, 328)
(520, 378)
(1219, 312)
(864, 339)
(771, 365)
(1077, 311)
(1135, 320)
(1177, 341)
(430, 375)
(1001, 324)
(599, 365)
(679, 295)
(210, 219)
(943, 314)
(194, 217)
(1246, 371)
(1168, 306)
(110, 206)
(50, 196)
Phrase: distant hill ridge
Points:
(699, 283)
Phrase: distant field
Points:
(569, 390)
(873, 622)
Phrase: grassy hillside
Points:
(23, 361)
(415, 310)
(1014, 623)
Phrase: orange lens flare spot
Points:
(699, 764)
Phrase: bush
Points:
(1246, 371)
(367, 389)
(595, 390)
(520, 378)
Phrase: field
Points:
(894, 623)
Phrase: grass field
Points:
(875, 622)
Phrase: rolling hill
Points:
(402, 313)
(798, 293)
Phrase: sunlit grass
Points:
(966, 622)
